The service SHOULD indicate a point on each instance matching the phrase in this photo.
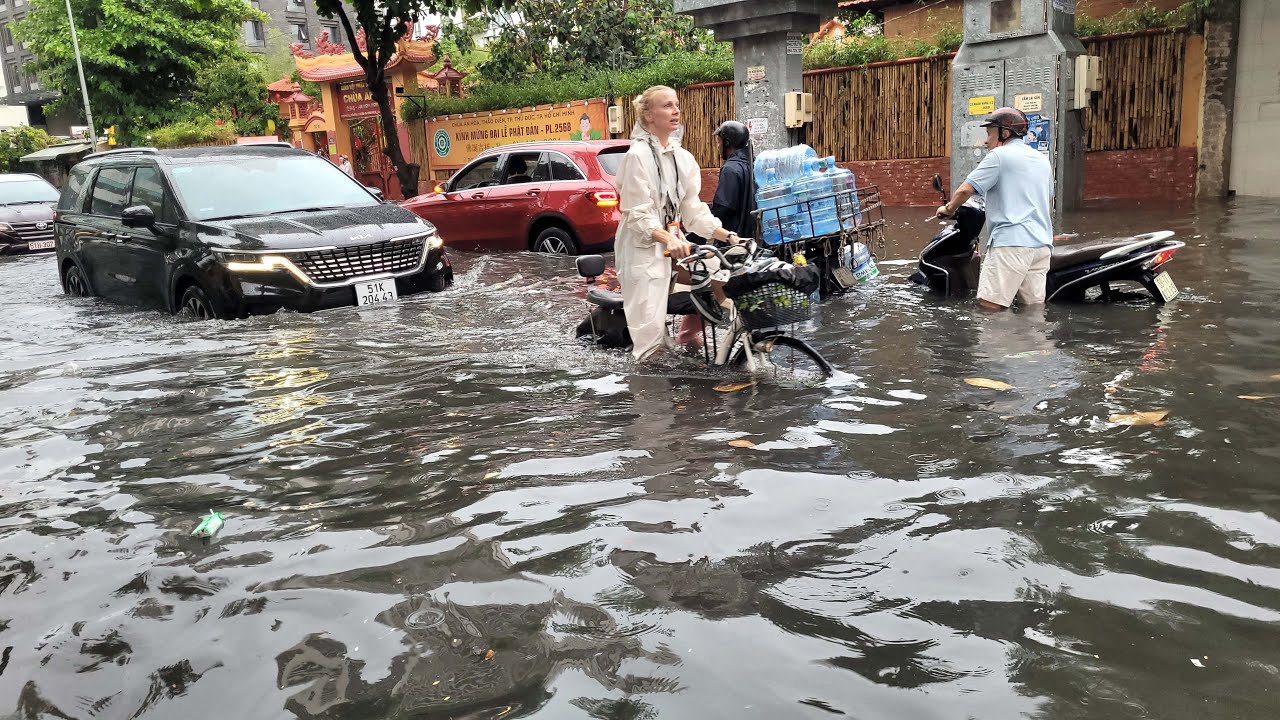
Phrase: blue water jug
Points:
(771, 196)
(788, 163)
(843, 184)
(814, 189)
(795, 218)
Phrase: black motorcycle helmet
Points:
(733, 136)
(1007, 119)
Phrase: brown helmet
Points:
(1007, 118)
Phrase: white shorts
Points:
(1014, 271)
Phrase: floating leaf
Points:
(733, 387)
(1112, 390)
(1255, 397)
(741, 443)
(990, 384)
(488, 655)
(1275, 377)
(1150, 417)
(490, 476)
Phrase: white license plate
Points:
(1164, 283)
(40, 245)
(377, 291)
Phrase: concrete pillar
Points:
(767, 36)
(763, 73)
(1221, 37)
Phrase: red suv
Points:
(554, 197)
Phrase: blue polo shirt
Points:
(1017, 183)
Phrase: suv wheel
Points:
(555, 240)
(196, 304)
(74, 283)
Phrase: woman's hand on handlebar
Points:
(677, 248)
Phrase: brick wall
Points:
(1163, 174)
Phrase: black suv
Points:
(224, 232)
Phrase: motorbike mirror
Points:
(937, 184)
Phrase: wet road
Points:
(444, 509)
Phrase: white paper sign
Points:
(758, 126)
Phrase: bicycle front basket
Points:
(773, 305)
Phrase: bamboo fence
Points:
(702, 109)
(883, 111)
(1140, 103)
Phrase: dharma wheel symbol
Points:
(441, 142)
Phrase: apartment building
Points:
(289, 21)
(19, 88)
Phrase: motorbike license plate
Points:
(1164, 283)
(40, 245)
(376, 291)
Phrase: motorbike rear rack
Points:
(825, 250)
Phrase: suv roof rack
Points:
(123, 151)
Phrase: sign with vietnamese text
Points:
(457, 139)
(983, 105)
(1029, 102)
(355, 100)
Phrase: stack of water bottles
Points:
(802, 196)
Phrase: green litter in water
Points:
(209, 525)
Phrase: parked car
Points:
(225, 232)
(555, 197)
(26, 213)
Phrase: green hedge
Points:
(187, 133)
(677, 70)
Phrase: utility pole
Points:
(84, 89)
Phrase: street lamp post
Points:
(84, 89)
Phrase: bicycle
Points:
(769, 297)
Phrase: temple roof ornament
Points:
(333, 62)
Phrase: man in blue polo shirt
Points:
(1017, 183)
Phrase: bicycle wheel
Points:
(787, 360)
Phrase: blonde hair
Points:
(641, 103)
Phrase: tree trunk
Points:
(406, 172)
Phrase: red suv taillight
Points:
(604, 198)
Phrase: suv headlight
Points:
(435, 242)
(6, 227)
(249, 262)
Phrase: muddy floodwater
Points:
(445, 508)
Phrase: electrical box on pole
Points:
(1023, 54)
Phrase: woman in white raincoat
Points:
(658, 186)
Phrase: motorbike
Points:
(769, 298)
(949, 262)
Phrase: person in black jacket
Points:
(736, 194)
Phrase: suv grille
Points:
(347, 263)
(28, 232)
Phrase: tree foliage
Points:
(142, 58)
(19, 141)
(236, 90)
(557, 36)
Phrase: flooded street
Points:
(445, 508)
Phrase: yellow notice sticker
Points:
(982, 105)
